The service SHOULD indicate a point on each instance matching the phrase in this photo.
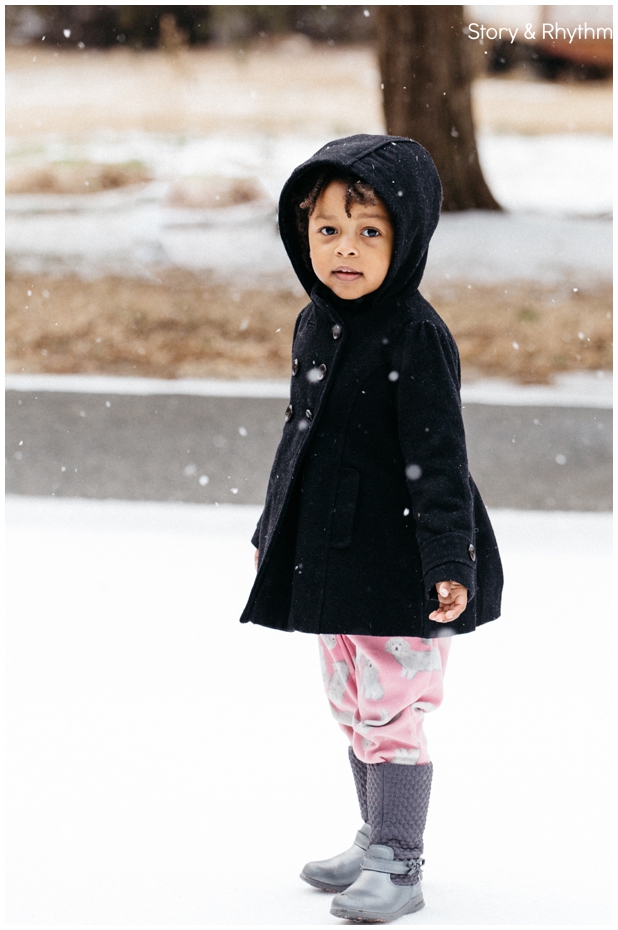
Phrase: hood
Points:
(403, 176)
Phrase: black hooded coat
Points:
(370, 502)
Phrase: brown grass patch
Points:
(209, 192)
(529, 332)
(75, 178)
(185, 325)
(180, 325)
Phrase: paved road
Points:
(219, 449)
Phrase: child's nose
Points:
(347, 246)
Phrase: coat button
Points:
(309, 414)
(472, 552)
(336, 331)
(322, 372)
(295, 366)
(289, 412)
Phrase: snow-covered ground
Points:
(560, 173)
(557, 187)
(168, 766)
(570, 389)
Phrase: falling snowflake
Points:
(413, 472)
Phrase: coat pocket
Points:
(345, 508)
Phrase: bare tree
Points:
(426, 75)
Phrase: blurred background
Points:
(146, 148)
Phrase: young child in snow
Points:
(373, 534)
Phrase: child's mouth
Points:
(347, 274)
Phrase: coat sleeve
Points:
(433, 443)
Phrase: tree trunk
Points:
(427, 79)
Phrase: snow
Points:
(169, 766)
(571, 389)
(558, 189)
(481, 247)
(565, 173)
(551, 174)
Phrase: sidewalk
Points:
(530, 447)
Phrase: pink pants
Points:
(380, 689)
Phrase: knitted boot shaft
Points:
(398, 800)
(359, 771)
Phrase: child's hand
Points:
(453, 598)
(256, 556)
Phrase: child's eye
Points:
(328, 231)
(371, 233)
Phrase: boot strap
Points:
(393, 866)
(362, 840)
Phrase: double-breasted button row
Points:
(289, 413)
(320, 371)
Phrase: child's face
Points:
(351, 255)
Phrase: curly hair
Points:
(357, 192)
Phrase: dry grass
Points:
(180, 325)
(272, 86)
(529, 332)
(75, 178)
(510, 104)
(184, 325)
(209, 192)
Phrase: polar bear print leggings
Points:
(380, 688)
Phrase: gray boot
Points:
(389, 885)
(338, 873)
(359, 771)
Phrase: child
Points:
(373, 534)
